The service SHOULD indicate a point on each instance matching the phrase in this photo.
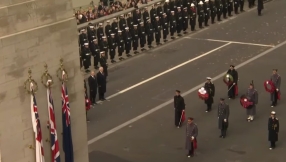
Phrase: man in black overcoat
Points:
(232, 87)
(101, 81)
(179, 105)
(223, 114)
(210, 88)
(92, 83)
(273, 130)
(260, 7)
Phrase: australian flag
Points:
(53, 130)
(67, 136)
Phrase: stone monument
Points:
(32, 33)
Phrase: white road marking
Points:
(113, 130)
(165, 72)
(17, 4)
(234, 42)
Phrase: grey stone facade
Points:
(32, 33)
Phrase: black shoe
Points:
(173, 37)
(220, 136)
(128, 55)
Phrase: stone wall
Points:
(32, 33)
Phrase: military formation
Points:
(142, 29)
(248, 101)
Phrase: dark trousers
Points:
(192, 150)
(209, 107)
(241, 5)
(218, 17)
(157, 40)
(231, 91)
(250, 3)
(92, 96)
(101, 96)
(112, 54)
(229, 12)
(120, 54)
(164, 36)
(223, 132)
(236, 9)
(135, 48)
(275, 95)
(200, 24)
(142, 45)
(95, 60)
(206, 21)
(259, 11)
(127, 51)
(213, 19)
(224, 13)
(178, 114)
(272, 144)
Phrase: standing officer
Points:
(201, 14)
(210, 88)
(136, 17)
(135, 38)
(108, 29)
(232, 87)
(101, 81)
(153, 13)
(100, 33)
(104, 46)
(220, 9)
(114, 26)
(165, 27)
(150, 33)
(92, 83)
(236, 6)
(273, 130)
(95, 51)
(112, 47)
(185, 20)
(193, 17)
(223, 114)
(241, 5)
(252, 95)
(230, 7)
(213, 11)
(191, 137)
(128, 41)
(142, 36)
(276, 79)
(179, 21)
(173, 24)
(260, 7)
(145, 15)
(82, 38)
(157, 29)
(120, 44)
(91, 34)
(225, 8)
(103, 63)
(122, 23)
(179, 105)
(130, 22)
(159, 10)
(85, 55)
(207, 12)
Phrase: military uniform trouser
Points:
(259, 11)
(135, 48)
(193, 24)
(213, 19)
(149, 40)
(206, 21)
(157, 37)
(112, 53)
(95, 60)
(236, 9)
(200, 24)
(172, 31)
(223, 132)
(229, 10)
(165, 36)
(209, 107)
(120, 53)
(219, 16)
(179, 29)
(224, 12)
(86, 63)
(241, 4)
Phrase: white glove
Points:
(193, 137)
(224, 120)
(233, 83)
(277, 89)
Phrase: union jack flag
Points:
(67, 136)
(37, 130)
(53, 129)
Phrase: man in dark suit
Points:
(222, 115)
(101, 82)
(92, 83)
(179, 105)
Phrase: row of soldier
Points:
(173, 17)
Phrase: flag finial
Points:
(63, 77)
(30, 85)
(46, 78)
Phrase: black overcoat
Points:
(101, 81)
(273, 129)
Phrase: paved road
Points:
(154, 138)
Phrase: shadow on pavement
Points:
(98, 156)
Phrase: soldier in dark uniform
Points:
(85, 55)
(241, 5)
(130, 22)
(100, 33)
(103, 63)
(142, 36)
(252, 95)
(157, 30)
(128, 41)
(114, 26)
(137, 17)
(150, 33)
(230, 7)
(231, 88)
(191, 137)
(95, 51)
(210, 88)
(213, 11)
(135, 39)
(225, 8)
(91, 34)
(108, 29)
(92, 83)
(276, 79)
(112, 47)
(236, 6)
(179, 20)
(273, 130)
(179, 105)
(145, 15)
(122, 24)
(104, 46)
(153, 13)
(207, 12)
(219, 8)
(193, 17)
(185, 20)
(167, 10)
(120, 44)
(173, 24)
(165, 27)
(223, 114)
(172, 5)
(201, 14)
(82, 38)
(260, 7)
(159, 10)
(101, 81)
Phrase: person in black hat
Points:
(179, 105)
(210, 88)
(276, 79)
(252, 95)
(273, 130)
(232, 88)
(223, 114)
